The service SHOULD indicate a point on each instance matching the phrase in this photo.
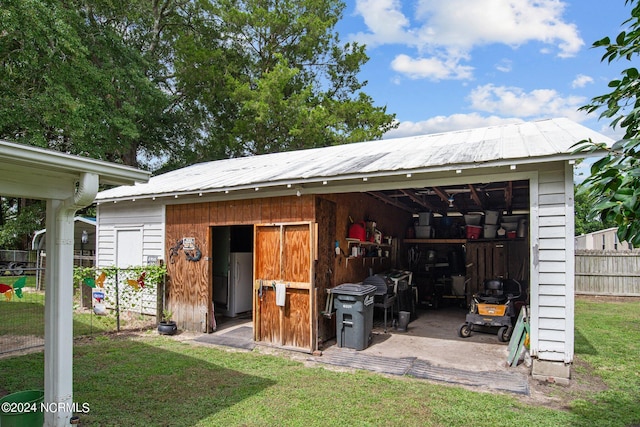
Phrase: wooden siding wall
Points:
(148, 217)
(326, 219)
(189, 291)
(390, 220)
(555, 294)
(615, 273)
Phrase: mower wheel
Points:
(504, 333)
(465, 330)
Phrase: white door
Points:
(128, 248)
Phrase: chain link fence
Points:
(118, 300)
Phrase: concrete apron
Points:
(433, 336)
(431, 349)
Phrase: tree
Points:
(22, 218)
(86, 77)
(142, 82)
(271, 76)
(613, 188)
(584, 222)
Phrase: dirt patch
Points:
(607, 298)
(25, 344)
(584, 385)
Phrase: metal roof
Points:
(529, 142)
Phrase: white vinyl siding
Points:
(148, 217)
(553, 339)
(128, 234)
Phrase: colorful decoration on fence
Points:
(15, 289)
(98, 296)
(139, 283)
(91, 282)
(101, 278)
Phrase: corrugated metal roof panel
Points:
(517, 142)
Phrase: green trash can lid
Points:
(356, 289)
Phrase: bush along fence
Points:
(135, 292)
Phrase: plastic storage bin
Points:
(473, 231)
(425, 218)
(354, 314)
(30, 402)
(424, 231)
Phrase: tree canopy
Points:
(613, 188)
(160, 84)
(181, 81)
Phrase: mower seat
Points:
(493, 292)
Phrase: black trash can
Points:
(354, 314)
(406, 300)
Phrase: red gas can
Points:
(357, 231)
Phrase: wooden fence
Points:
(605, 272)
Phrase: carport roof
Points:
(512, 144)
(40, 173)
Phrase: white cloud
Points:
(386, 22)
(581, 81)
(537, 103)
(454, 122)
(465, 24)
(446, 32)
(502, 105)
(504, 66)
(431, 68)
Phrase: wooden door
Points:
(485, 260)
(284, 254)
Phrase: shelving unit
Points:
(360, 243)
(437, 241)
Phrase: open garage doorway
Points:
(232, 250)
(461, 236)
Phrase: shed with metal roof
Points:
(294, 211)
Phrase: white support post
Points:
(58, 350)
(58, 333)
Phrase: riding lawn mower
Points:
(497, 306)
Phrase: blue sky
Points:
(443, 65)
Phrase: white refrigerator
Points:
(240, 284)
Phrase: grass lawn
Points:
(152, 380)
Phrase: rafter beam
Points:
(442, 194)
(418, 200)
(386, 199)
(508, 196)
(476, 197)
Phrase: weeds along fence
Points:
(606, 272)
(115, 304)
